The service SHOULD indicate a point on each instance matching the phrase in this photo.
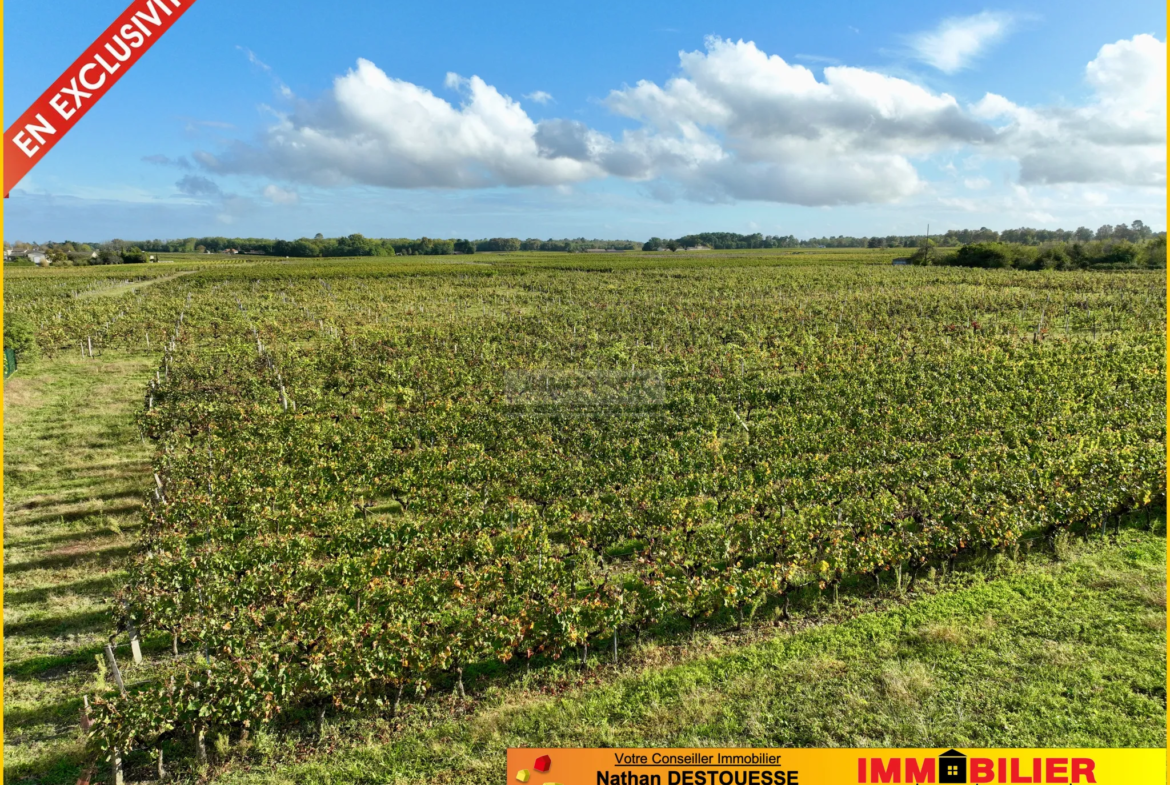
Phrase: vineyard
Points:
(371, 476)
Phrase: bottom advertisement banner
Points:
(541, 766)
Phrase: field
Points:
(411, 502)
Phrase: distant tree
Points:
(925, 253)
(1083, 234)
(464, 246)
(1156, 253)
(653, 244)
(672, 245)
(134, 255)
(1123, 232)
(1122, 254)
(108, 256)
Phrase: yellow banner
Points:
(538, 766)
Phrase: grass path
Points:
(127, 288)
(74, 474)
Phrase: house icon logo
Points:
(952, 767)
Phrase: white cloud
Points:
(277, 195)
(540, 97)
(1118, 138)
(378, 130)
(733, 123)
(958, 41)
(281, 87)
(254, 60)
(753, 126)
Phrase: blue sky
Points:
(620, 120)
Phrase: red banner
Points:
(81, 86)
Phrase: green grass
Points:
(74, 474)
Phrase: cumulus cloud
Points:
(540, 97)
(377, 130)
(733, 123)
(736, 123)
(958, 41)
(1118, 138)
(757, 127)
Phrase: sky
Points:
(619, 120)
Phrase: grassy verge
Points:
(1049, 650)
(74, 474)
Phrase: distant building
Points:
(37, 257)
(231, 250)
(902, 260)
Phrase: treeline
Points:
(319, 246)
(117, 251)
(721, 240)
(1107, 254)
(1134, 233)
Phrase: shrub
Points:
(134, 256)
(985, 255)
(1156, 253)
(19, 334)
